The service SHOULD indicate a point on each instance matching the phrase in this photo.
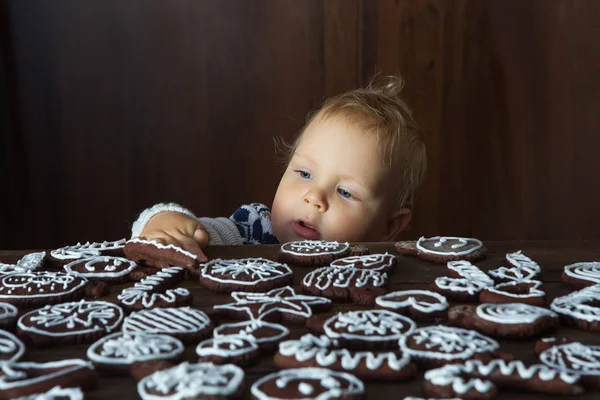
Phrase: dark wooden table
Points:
(410, 273)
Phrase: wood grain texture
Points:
(114, 106)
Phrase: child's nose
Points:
(316, 199)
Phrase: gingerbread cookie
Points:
(308, 383)
(266, 334)
(26, 378)
(420, 305)
(376, 262)
(519, 268)
(545, 343)
(459, 289)
(11, 348)
(155, 291)
(312, 351)
(464, 269)
(32, 289)
(56, 393)
(475, 379)
(575, 358)
(156, 254)
(366, 329)
(29, 263)
(526, 292)
(67, 254)
(441, 249)
(274, 305)
(435, 346)
(241, 350)
(111, 270)
(8, 316)
(185, 323)
(580, 309)
(510, 320)
(193, 381)
(69, 323)
(117, 352)
(247, 274)
(312, 252)
(582, 274)
(358, 285)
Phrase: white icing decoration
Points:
(253, 269)
(74, 318)
(44, 283)
(368, 325)
(573, 358)
(344, 277)
(279, 300)
(11, 348)
(247, 328)
(512, 274)
(127, 348)
(28, 263)
(447, 343)
(579, 305)
(469, 271)
(124, 265)
(476, 372)
(513, 313)
(144, 293)
(441, 240)
(86, 250)
(520, 260)
(390, 300)
(314, 247)
(587, 271)
(176, 320)
(335, 384)
(163, 247)
(15, 375)
(227, 346)
(7, 311)
(461, 285)
(375, 262)
(533, 291)
(57, 392)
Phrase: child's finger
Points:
(192, 246)
(201, 237)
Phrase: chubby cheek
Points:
(354, 228)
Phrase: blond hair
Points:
(378, 108)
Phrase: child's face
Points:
(334, 187)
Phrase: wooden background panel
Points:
(114, 106)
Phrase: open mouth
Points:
(306, 230)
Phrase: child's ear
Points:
(396, 223)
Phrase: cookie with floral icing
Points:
(475, 379)
(156, 291)
(32, 289)
(29, 263)
(112, 270)
(118, 352)
(58, 257)
(441, 249)
(158, 255)
(193, 381)
(308, 383)
(188, 324)
(244, 275)
(8, 316)
(313, 351)
(241, 350)
(575, 358)
(510, 320)
(580, 309)
(419, 305)
(266, 334)
(346, 283)
(25, 378)
(581, 274)
(438, 345)
(526, 292)
(275, 305)
(312, 252)
(69, 323)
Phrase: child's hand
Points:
(174, 228)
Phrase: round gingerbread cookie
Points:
(441, 249)
(112, 270)
(438, 345)
(247, 275)
(526, 292)
(582, 274)
(241, 350)
(185, 323)
(156, 254)
(308, 383)
(69, 323)
(8, 316)
(29, 263)
(312, 351)
(266, 334)
(33, 289)
(64, 255)
(420, 305)
(510, 320)
(118, 352)
(575, 358)
(193, 381)
(312, 252)
(376, 262)
(580, 309)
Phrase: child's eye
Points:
(304, 174)
(344, 193)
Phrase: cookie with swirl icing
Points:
(581, 274)
(312, 252)
(510, 320)
(441, 249)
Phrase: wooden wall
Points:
(111, 106)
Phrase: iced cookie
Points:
(29, 263)
(247, 275)
(419, 305)
(580, 309)
(441, 249)
(34, 289)
(111, 270)
(266, 334)
(575, 358)
(376, 262)
(526, 292)
(519, 267)
(156, 254)
(312, 252)
(458, 289)
(57, 258)
(582, 274)
(241, 350)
